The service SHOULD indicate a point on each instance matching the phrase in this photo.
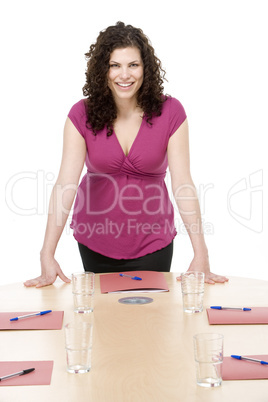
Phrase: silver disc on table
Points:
(136, 300)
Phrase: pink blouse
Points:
(122, 208)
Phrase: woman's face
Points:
(125, 75)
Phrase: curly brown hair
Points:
(100, 104)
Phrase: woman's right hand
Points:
(50, 269)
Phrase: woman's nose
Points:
(124, 73)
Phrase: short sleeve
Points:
(78, 117)
(177, 115)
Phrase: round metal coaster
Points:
(136, 300)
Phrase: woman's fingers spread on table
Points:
(31, 282)
(63, 277)
(39, 282)
(211, 278)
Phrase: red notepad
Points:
(51, 320)
(40, 376)
(152, 281)
(233, 369)
(257, 315)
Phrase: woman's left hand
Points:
(202, 265)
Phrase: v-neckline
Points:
(130, 149)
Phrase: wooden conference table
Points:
(141, 353)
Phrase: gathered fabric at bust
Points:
(122, 208)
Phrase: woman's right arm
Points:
(62, 197)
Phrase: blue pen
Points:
(136, 278)
(230, 308)
(249, 359)
(31, 315)
(23, 372)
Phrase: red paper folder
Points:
(40, 376)
(51, 320)
(152, 281)
(257, 315)
(233, 369)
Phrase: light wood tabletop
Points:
(141, 353)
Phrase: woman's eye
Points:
(114, 65)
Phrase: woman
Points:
(127, 132)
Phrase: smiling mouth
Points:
(126, 85)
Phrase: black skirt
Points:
(160, 260)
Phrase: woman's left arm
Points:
(187, 201)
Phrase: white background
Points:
(215, 55)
